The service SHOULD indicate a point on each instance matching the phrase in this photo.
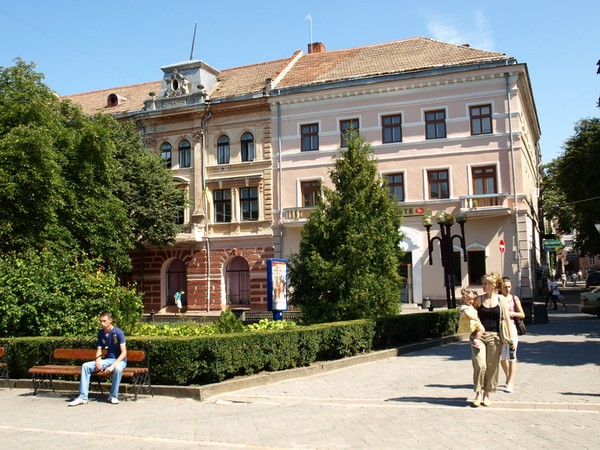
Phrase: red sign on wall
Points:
(502, 246)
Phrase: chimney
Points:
(316, 47)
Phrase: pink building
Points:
(454, 129)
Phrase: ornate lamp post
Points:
(445, 239)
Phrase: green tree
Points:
(50, 294)
(349, 258)
(71, 181)
(571, 187)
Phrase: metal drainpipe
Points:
(514, 180)
(279, 188)
(207, 116)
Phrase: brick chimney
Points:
(316, 47)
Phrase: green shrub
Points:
(201, 359)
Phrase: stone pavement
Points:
(417, 400)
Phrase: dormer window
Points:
(114, 100)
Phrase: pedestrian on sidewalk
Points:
(508, 359)
(555, 295)
(486, 359)
(469, 320)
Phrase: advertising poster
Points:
(277, 284)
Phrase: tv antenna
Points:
(309, 18)
(193, 41)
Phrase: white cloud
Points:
(476, 32)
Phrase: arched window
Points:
(223, 150)
(238, 282)
(247, 147)
(185, 153)
(176, 280)
(165, 154)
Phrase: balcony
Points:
(485, 204)
(294, 215)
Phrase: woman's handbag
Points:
(521, 328)
(503, 332)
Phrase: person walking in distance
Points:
(555, 294)
(111, 339)
(177, 298)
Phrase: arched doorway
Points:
(238, 282)
(176, 280)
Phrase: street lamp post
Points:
(445, 239)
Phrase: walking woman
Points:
(486, 358)
(508, 360)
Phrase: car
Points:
(593, 279)
(590, 302)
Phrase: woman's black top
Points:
(490, 317)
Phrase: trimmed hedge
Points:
(208, 359)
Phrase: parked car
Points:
(590, 302)
(593, 279)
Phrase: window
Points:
(476, 266)
(484, 180)
(396, 186)
(165, 154)
(438, 184)
(347, 129)
(481, 119)
(249, 203)
(185, 154)
(391, 129)
(309, 137)
(180, 217)
(247, 147)
(435, 124)
(311, 193)
(238, 282)
(222, 201)
(223, 150)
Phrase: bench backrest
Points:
(88, 354)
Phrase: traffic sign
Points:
(502, 246)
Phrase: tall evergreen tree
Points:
(349, 258)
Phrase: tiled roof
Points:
(408, 55)
(134, 96)
(247, 79)
(404, 56)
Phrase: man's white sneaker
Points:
(113, 400)
(78, 401)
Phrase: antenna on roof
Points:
(309, 18)
(193, 41)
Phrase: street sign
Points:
(552, 244)
(502, 246)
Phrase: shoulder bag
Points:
(503, 331)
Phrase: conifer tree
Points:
(349, 258)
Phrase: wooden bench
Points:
(4, 366)
(66, 362)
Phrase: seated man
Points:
(112, 339)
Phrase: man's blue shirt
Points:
(111, 341)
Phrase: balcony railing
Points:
(297, 214)
(484, 201)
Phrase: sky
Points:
(83, 46)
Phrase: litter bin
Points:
(528, 310)
(540, 313)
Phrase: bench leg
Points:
(42, 381)
(4, 375)
(141, 381)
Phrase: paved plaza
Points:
(417, 400)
